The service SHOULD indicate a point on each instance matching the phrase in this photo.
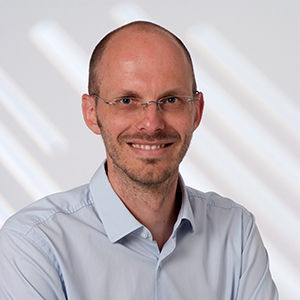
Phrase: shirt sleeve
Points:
(255, 281)
(26, 271)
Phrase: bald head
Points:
(115, 40)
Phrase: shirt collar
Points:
(186, 212)
(116, 218)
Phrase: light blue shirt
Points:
(84, 244)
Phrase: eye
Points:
(171, 100)
(125, 100)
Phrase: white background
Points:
(246, 57)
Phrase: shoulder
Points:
(64, 203)
(214, 200)
(218, 209)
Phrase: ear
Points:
(88, 106)
(199, 105)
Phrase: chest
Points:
(194, 267)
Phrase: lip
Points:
(149, 149)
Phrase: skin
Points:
(149, 65)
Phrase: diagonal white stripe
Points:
(38, 127)
(270, 99)
(249, 131)
(5, 210)
(128, 12)
(285, 274)
(59, 48)
(23, 167)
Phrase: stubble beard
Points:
(152, 178)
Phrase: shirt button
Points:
(144, 235)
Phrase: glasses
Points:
(169, 103)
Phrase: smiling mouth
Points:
(149, 147)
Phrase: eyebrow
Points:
(129, 93)
(173, 92)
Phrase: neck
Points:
(156, 206)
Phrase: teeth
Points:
(148, 147)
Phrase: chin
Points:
(150, 179)
(150, 176)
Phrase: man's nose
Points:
(150, 118)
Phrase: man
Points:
(136, 231)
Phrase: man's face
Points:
(148, 145)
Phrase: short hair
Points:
(93, 87)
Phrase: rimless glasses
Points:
(168, 103)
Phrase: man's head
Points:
(143, 62)
(143, 27)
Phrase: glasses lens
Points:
(127, 104)
(172, 103)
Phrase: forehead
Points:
(143, 55)
(143, 43)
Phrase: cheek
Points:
(184, 126)
(113, 125)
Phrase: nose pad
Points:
(146, 104)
